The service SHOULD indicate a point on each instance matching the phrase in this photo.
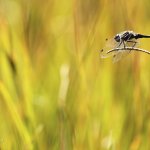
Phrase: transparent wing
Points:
(110, 44)
(118, 54)
(124, 52)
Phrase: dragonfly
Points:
(122, 44)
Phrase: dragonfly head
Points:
(117, 38)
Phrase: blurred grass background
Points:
(55, 90)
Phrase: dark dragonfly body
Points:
(129, 35)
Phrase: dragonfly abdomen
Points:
(137, 36)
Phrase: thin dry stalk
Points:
(129, 48)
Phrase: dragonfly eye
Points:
(117, 38)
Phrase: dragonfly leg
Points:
(119, 44)
(134, 43)
(123, 44)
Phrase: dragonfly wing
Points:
(111, 43)
(124, 52)
(120, 54)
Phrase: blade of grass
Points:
(24, 134)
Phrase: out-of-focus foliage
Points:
(56, 92)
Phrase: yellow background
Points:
(56, 92)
